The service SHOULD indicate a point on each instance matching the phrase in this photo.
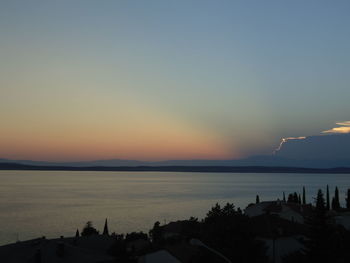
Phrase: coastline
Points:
(199, 169)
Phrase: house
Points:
(290, 211)
(92, 249)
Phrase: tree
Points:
(228, 231)
(324, 242)
(320, 202)
(335, 200)
(229, 210)
(105, 229)
(257, 199)
(89, 230)
(290, 198)
(327, 205)
(304, 197)
(214, 212)
(347, 199)
(293, 198)
(136, 236)
(284, 197)
(299, 199)
(77, 233)
(320, 243)
(156, 233)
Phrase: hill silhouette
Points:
(216, 169)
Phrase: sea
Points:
(57, 203)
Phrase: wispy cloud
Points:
(284, 140)
(344, 127)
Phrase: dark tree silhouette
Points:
(304, 196)
(257, 201)
(322, 238)
(214, 212)
(229, 232)
(136, 236)
(284, 197)
(77, 233)
(324, 241)
(320, 202)
(335, 200)
(89, 230)
(105, 229)
(293, 198)
(327, 199)
(229, 210)
(156, 233)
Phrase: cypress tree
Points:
(284, 197)
(257, 199)
(105, 229)
(327, 204)
(77, 233)
(304, 197)
(336, 199)
(317, 247)
(299, 199)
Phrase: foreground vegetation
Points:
(230, 232)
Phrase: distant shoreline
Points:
(195, 169)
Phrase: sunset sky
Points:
(157, 80)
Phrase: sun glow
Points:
(116, 133)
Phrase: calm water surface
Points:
(54, 203)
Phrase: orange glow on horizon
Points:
(154, 150)
(151, 138)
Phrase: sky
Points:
(158, 80)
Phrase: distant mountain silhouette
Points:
(266, 161)
(107, 163)
(203, 169)
(323, 151)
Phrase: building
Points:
(92, 249)
(293, 212)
